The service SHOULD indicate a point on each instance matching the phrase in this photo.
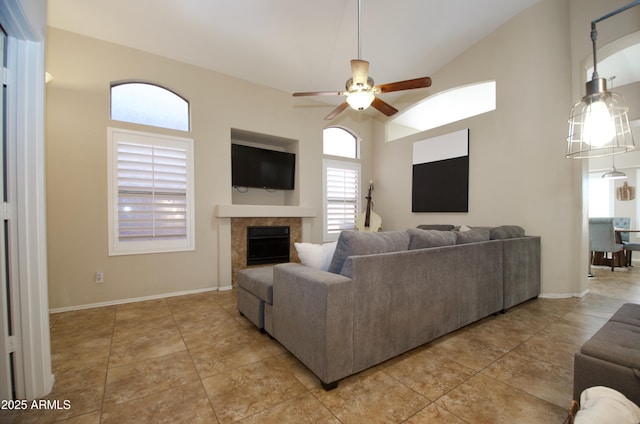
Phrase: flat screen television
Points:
(262, 168)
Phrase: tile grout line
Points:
(106, 374)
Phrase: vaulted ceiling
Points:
(292, 45)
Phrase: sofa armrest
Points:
(313, 318)
(521, 270)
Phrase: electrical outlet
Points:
(99, 277)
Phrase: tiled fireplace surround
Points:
(232, 234)
(239, 238)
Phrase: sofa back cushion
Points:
(352, 243)
(421, 239)
(440, 227)
(472, 236)
(506, 232)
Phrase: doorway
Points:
(25, 351)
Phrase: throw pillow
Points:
(316, 255)
(464, 228)
(472, 236)
(421, 239)
(506, 232)
(602, 405)
(355, 243)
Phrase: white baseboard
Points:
(563, 295)
(136, 299)
(583, 294)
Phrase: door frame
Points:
(25, 24)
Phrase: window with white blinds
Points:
(151, 193)
(342, 196)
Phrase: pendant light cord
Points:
(615, 12)
(594, 37)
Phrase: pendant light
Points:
(599, 125)
(614, 174)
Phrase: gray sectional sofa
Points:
(389, 292)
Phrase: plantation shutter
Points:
(342, 191)
(152, 192)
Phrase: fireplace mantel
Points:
(263, 211)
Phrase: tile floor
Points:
(194, 359)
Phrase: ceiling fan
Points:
(360, 89)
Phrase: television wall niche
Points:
(441, 173)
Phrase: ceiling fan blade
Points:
(359, 71)
(337, 111)
(403, 85)
(319, 93)
(383, 106)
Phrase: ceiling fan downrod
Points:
(359, 29)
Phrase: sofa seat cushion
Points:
(421, 239)
(629, 313)
(258, 282)
(615, 342)
(352, 243)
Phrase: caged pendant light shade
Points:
(599, 123)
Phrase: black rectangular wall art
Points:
(441, 173)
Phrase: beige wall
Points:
(77, 121)
(518, 173)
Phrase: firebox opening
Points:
(267, 245)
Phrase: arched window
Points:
(149, 104)
(444, 108)
(337, 141)
(341, 180)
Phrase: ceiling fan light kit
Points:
(599, 124)
(360, 100)
(360, 89)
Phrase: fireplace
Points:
(267, 244)
(238, 241)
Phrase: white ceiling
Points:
(292, 45)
